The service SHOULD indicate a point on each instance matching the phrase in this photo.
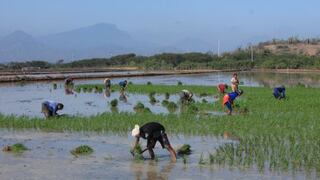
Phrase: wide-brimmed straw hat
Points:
(135, 131)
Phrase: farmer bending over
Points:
(123, 85)
(279, 92)
(186, 96)
(107, 83)
(229, 98)
(153, 132)
(50, 108)
(68, 82)
(222, 88)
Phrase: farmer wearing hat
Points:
(50, 108)
(153, 132)
(107, 83)
(229, 98)
(186, 96)
(279, 92)
(68, 81)
(123, 85)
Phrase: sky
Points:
(234, 22)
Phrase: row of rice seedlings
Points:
(140, 108)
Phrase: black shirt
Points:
(151, 130)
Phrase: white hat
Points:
(135, 131)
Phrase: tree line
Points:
(239, 59)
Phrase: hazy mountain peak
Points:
(18, 36)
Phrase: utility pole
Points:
(218, 48)
(251, 48)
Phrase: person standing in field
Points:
(68, 81)
(153, 132)
(222, 88)
(279, 92)
(234, 82)
(186, 96)
(107, 83)
(229, 98)
(50, 108)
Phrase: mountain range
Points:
(99, 40)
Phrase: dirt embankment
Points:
(298, 48)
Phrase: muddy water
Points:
(27, 99)
(49, 158)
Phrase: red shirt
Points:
(222, 88)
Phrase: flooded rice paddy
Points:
(27, 99)
(49, 154)
(49, 157)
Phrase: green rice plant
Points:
(130, 83)
(167, 95)
(185, 149)
(140, 108)
(82, 150)
(172, 106)
(54, 85)
(137, 153)
(184, 159)
(179, 83)
(165, 102)
(153, 100)
(204, 101)
(204, 94)
(201, 160)
(114, 109)
(15, 148)
(151, 94)
(114, 103)
(149, 83)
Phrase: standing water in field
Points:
(49, 157)
(26, 100)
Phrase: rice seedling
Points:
(16, 148)
(204, 94)
(149, 83)
(201, 160)
(184, 159)
(153, 100)
(140, 108)
(179, 83)
(204, 101)
(82, 150)
(172, 106)
(54, 85)
(165, 102)
(151, 94)
(114, 103)
(185, 149)
(137, 153)
(166, 96)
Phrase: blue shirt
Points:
(277, 91)
(233, 96)
(122, 83)
(53, 106)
